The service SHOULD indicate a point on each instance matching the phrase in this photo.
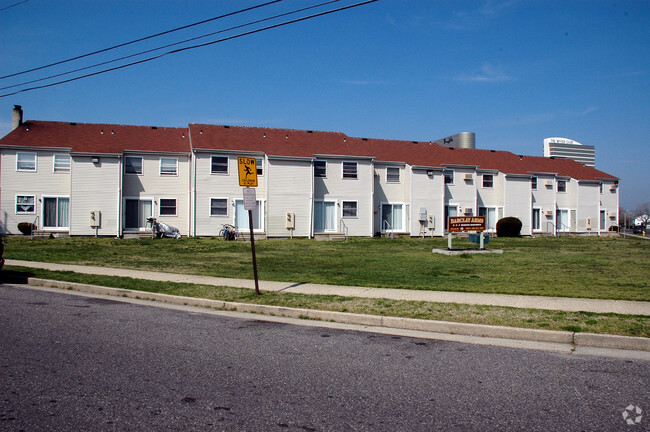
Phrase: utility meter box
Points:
(430, 222)
(423, 215)
(291, 221)
(95, 218)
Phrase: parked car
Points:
(638, 229)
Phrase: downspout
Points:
(311, 203)
(119, 195)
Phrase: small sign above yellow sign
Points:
(247, 171)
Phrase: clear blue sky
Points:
(514, 72)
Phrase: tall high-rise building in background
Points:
(569, 149)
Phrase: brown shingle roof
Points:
(116, 139)
(98, 138)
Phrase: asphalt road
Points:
(70, 362)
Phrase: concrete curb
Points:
(465, 329)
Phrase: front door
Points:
(324, 216)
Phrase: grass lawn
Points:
(592, 267)
(626, 325)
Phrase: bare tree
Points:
(642, 213)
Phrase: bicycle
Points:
(228, 232)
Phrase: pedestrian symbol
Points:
(247, 171)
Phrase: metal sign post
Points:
(247, 168)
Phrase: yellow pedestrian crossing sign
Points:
(247, 171)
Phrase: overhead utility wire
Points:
(141, 39)
(169, 45)
(15, 4)
(192, 47)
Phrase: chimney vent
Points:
(16, 117)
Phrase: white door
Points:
(562, 220)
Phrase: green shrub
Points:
(26, 227)
(509, 227)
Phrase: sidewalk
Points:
(532, 302)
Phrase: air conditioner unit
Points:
(548, 213)
(468, 177)
(549, 183)
(612, 216)
(612, 188)
(468, 211)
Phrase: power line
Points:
(15, 4)
(141, 39)
(169, 45)
(176, 51)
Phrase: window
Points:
(562, 220)
(488, 180)
(600, 188)
(392, 174)
(320, 169)
(561, 185)
(61, 163)
(533, 183)
(25, 161)
(449, 176)
(167, 207)
(219, 165)
(168, 166)
(25, 204)
(260, 166)
(218, 206)
(55, 212)
(537, 219)
(391, 217)
(133, 165)
(349, 170)
(349, 209)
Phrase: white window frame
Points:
(334, 206)
(356, 209)
(169, 173)
(448, 173)
(43, 208)
(160, 206)
(126, 171)
(563, 228)
(564, 182)
(138, 199)
(533, 183)
(65, 167)
(489, 228)
(403, 228)
(399, 174)
(213, 172)
(227, 207)
(484, 177)
(20, 155)
(323, 162)
(33, 197)
(356, 170)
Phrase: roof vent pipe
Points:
(16, 117)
